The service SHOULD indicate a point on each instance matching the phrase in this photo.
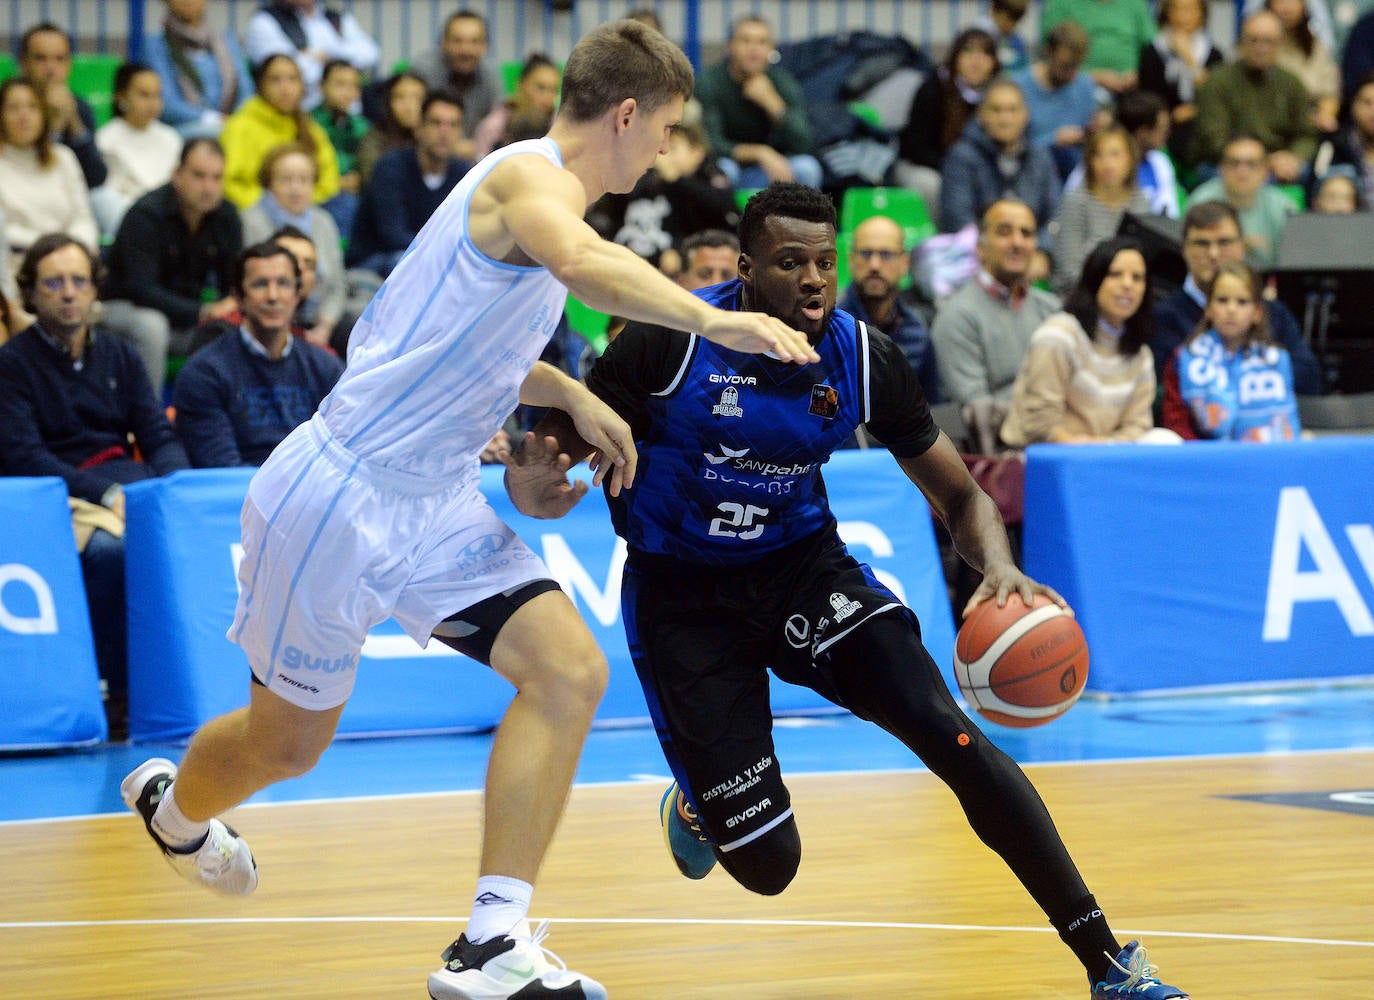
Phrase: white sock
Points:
(499, 905)
(172, 826)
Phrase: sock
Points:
(1084, 929)
(499, 905)
(173, 828)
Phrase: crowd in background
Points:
(178, 283)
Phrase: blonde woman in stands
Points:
(273, 116)
(1088, 375)
(42, 189)
(288, 180)
(1093, 212)
(140, 151)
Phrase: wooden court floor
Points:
(896, 898)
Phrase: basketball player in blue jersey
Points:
(372, 508)
(734, 566)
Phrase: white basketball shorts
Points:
(334, 545)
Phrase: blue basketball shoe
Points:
(682, 832)
(1133, 977)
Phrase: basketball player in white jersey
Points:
(372, 508)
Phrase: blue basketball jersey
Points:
(731, 445)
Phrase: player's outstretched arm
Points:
(597, 426)
(974, 525)
(541, 209)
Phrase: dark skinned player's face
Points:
(791, 274)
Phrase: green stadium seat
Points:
(93, 80)
(742, 196)
(588, 323)
(7, 66)
(902, 205)
(510, 74)
(1294, 193)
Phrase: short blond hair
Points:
(619, 60)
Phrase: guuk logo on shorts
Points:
(293, 658)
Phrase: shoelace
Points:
(537, 939)
(1138, 973)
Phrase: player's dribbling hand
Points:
(613, 443)
(1001, 580)
(537, 478)
(758, 333)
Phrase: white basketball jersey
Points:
(436, 362)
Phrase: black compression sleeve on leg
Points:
(766, 865)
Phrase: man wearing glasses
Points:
(1243, 183)
(877, 263)
(1254, 94)
(1212, 236)
(71, 398)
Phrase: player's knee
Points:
(573, 679)
(767, 865)
(289, 754)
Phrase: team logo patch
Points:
(843, 606)
(729, 404)
(825, 402)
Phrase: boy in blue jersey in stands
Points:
(735, 566)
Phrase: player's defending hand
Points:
(1001, 579)
(537, 478)
(759, 333)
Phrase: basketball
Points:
(1020, 666)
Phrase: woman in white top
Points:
(1088, 375)
(140, 151)
(42, 189)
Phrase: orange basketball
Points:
(1021, 666)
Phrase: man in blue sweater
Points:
(1212, 236)
(253, 385)
(407, 185)
(71, 398)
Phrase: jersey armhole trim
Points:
(693, 341)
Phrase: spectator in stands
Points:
(354, 295)
(45, 60)
(457, 65)
(1212, 236)
(1256, 95)
(1093, 212)
(287, 179)
(1357, 58)
(1351, 150)
(74, 402)
(1175, 65)
(311, 34)
(1337, 193)
(1001, 21)
(878, 261)
(944, 103)
(537, 87)
(994, 160)
(407, 185)
(708, 258)
(1116, 29)
(1087, 375)
(1310, 60)
(8, 323)
(255, 383)
(1242, 182)
(755, 114)
(203, 69)
(404, 96)
(684, 192)
(271, 117)
(9, 289)
(171, 260)
(341, 88)
(1060, 98)
(1145, 118)
(1230, 381)
(981, 331)
(41, 186)
(140, 151)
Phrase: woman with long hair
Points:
(1175, 66)
(274, 115)
(1093, 212)
(405, 99)
(1305, 56)
(42, 189)
(536, 88)
(1088, 375)
(140, 151)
